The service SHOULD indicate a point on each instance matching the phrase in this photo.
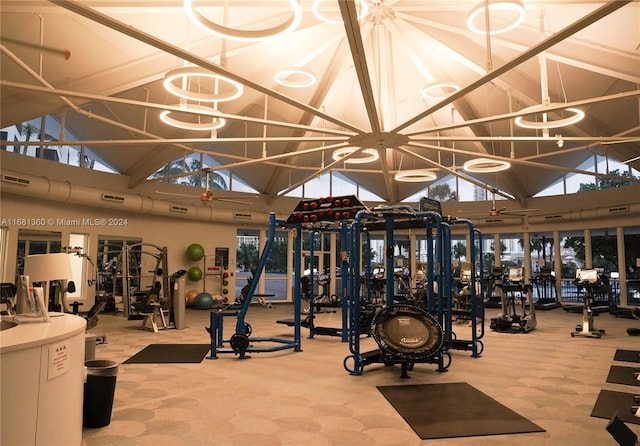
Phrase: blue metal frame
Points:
(475, 344)
(440, 271)
(318, 330)
(242, 329)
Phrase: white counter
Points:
(42, 382)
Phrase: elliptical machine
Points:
(509, 321)
(589, 280)
(494, 283)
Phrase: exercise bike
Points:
(588, 280)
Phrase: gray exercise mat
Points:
(627, 355)
(454, 410)
(610, 402)
(622, 375)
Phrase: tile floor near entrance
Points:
(307, 398)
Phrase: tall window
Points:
(247, 254)
(541, 245)
(332, 184)
(513, 253)
(576, 182)
(43, 129)
(571, 253)
(276, 280)
(248, 251)
(604, 250)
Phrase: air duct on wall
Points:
(15, 180)
(500, 221)
(64, 191)
(586, 214)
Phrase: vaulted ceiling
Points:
(99, 65)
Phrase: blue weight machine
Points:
(411, 331)
(241, 342)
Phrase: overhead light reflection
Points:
(486, 165)
(296, 78)
(214, 124)
(415, 176)
(244, 35)
(187, 74)
(510, 7)
(439, 90)
(363, 11)
(368, 155)
(545, 123)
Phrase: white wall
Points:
(175, 234)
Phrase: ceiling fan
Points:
(208, 196)
(495, 212)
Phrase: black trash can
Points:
(99, 390)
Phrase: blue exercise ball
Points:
(204, 301)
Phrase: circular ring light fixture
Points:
(369, 155)
(364, 10)
(185, 74)
(415, 176)
(439, 90)
(215, 124)
(296, 78)
(245, 35)
(510, 7)
(486, 165)
(577, 116)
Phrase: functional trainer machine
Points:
(326, 214)
(405, 333)
(310, 215)
(470, 294)
(588, 280)
(129, 272)
(312, 303)
(241, 343)
(514, 288)
(415, 331)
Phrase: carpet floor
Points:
(307, 398)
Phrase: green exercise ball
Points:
(194, 274)
(195, 252)
(204, 301)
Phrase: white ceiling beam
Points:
(352, 29)
(547, 43)
(141, 36)
(356, 45)
(153, 105)
(512, 115)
